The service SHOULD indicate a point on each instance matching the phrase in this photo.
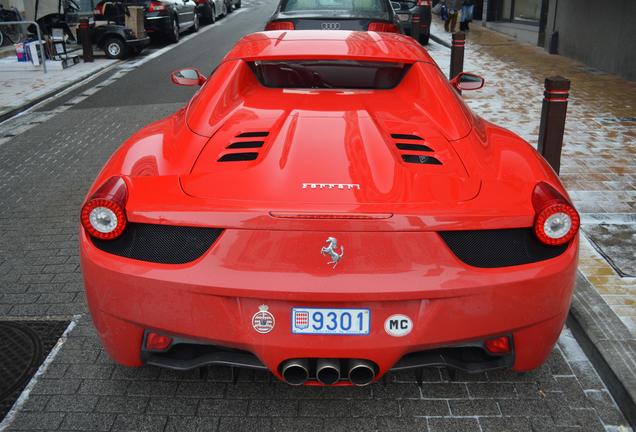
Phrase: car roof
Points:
(329, 44)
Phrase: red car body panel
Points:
(268, 253)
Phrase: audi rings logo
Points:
(330, 26)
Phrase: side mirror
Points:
(468, 81)
(187, 77)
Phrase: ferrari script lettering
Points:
(330, 249)
(342, 186)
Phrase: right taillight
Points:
(156, 6)
(104, 213)
(556, 221)
(280, 25)
(99, 9)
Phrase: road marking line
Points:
(24, 396)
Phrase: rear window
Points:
(334, 5)
(329, 74)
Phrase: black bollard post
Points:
(87, 43)
(457, 54)
(553, 113)
(415, 27)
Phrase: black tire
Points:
(173, 37)
(213, 15)
(228, 8)
(195, 23)
(115, 48)
(238, 5)
(424, 39)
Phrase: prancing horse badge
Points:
(332, 250)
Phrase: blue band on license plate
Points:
(329, 321)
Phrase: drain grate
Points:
(23, 347)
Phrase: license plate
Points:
(404, 17)
(330, 321)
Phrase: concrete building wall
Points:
(600, 33)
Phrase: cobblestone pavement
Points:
(45, 170)
(598, 164)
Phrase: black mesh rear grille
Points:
(165, 244)
(499, 248)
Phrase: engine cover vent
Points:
(232, 156)
(238, 157)
(420, 159)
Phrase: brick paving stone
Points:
(38, 421)
(437, 424)
(424, 408)
(173, 406)
(474, 407)
(191, 424)
(223, 407)
(72, 403)
(122, 404)
(507, 424)
(88, 422)
(139, 423)
(233, 424)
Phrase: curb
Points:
(608, 344)
(440, 41)
(55, 92)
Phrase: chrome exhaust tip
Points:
(295, 371)
(328, 371)
(361, 372)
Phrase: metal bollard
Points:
(415, 27)
(553, 113)
(457, 54)
(87, 44)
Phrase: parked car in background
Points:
(371, 15)
(415, 17)
(210, 10)
(167, 18)
(232, 5)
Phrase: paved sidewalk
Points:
(22, 84)
(598, 164)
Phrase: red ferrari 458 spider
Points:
(328, 208)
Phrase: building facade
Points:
(599, 33)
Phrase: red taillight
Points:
(156, 6)
(104, 214)
(99, 9)
(500, 345)
(157, 342)
(280, 25)
(426, 3)
(556, 221)
(383, 27)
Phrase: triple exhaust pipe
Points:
(328, 371)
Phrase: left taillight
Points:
(383, 27)
(426, 3)
(556, 220)
(103, 215)
(280, 25)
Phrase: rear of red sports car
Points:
(327, 207)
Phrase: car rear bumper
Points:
(158, 24)
(212, 301)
